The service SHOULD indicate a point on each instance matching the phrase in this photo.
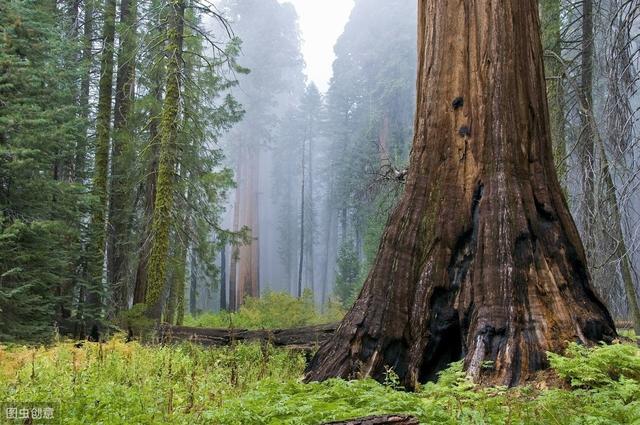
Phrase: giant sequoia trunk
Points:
(248, 258)
(481, 259)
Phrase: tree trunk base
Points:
(481, 259)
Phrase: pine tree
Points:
(96, 291)
(191, 182)
(161, 224)
(40, 206)
(122, 159)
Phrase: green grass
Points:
(119, 383)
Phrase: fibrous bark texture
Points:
(481, 259)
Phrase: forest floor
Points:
(126, 383)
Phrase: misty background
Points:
(319, 154)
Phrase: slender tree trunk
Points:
(552, 44)
(343, 226)
(310, 219)
(161, 224)
(587, 139)
(223, 278)
(180, 307)
(621, 252)
(233, 282)
(180, 273)
(140, 285)
(96, 292)
(193, 284)
(254, 288)
(80, 160)
(175, 302)
(332, 249)
(247, 198)
(103, 119)
(85, 85)
(302, 195)
(481, 259)
(235, 252)
(122, 159)
(73, 12)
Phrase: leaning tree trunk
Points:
(481, 259)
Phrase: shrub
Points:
(275, 310)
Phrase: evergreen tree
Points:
(481, 260)
(273, 88)
(122, 160)
(348, 274)
(40, 205)
(191, 183)
(97, 291)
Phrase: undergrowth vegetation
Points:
(125, 383)
(275, 310)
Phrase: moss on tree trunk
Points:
(122, 159)
(96, 291)
(162, 213)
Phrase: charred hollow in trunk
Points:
(481, 259)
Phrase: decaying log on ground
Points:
(308, 337)
(379, 420)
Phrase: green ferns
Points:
(118, 383)
(588, 368)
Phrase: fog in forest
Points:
(317, 173)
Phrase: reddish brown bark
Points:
(248, 259)
(481, 259)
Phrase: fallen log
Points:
(379, 420)
(306, 338)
